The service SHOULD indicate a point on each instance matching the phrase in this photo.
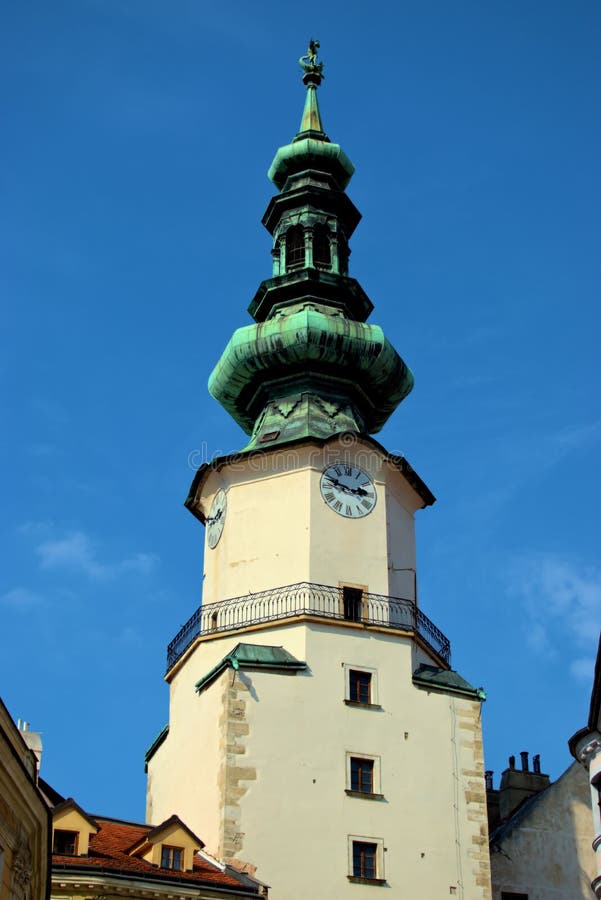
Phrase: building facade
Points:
(317, 734)
(542, 851)
(104, 858)
(585, 747)
(24, 816)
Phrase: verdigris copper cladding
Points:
(310, 366)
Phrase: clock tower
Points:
(317, 734)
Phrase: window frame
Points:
(295, 246)
(374, 701)
(378, 878)
(65, 831)
(376, 781)
(171, 850)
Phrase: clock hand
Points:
(212, 519)
(359, 491)
(340, 485)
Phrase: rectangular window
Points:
(359, 686)
(509, 895)
(64, 843)
(364, 859)
(352, 603)
(171, 857)
(362, 775)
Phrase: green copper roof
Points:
(310, 367)
(309, 153)
(311, 120)
(315, 350)
(161, 736)
(446, 681)
(252, 656)
(311, 148)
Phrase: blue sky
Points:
(137, 135)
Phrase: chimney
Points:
(517, 785)
(488, 778)
(33, 739)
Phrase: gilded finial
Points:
(313, 70)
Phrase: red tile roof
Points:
(108, 851)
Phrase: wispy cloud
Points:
(20, 599)
(522, 458)
(78, 553)
(562, 603)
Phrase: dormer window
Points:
(171, 857)
(295, 248)
(322, 256)
(65, 843)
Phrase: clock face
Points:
(216, 518)
(348, 490)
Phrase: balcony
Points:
(320, 601)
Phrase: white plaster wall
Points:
(295, 817)
(185, 773)
(279, 531)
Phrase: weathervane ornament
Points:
(309, 63)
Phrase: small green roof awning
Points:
(446, 681)
(252, 656)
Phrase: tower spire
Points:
(312, 76)
(310, 366)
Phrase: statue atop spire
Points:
(312, 78)
(309, 64)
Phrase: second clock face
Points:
(216, 518)
(348, 490)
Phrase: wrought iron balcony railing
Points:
(305, 599)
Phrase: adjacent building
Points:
(317, 734)
(541, 834)
(585, 746)
(100, 857)
(24, 815)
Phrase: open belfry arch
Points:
(317, 735)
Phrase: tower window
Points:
(352, 603)
(359, 686)
(364, 859)
(362, 775)
(295, 247)
(596, 785)
(321, 246)
(171, 857)
(64, 843)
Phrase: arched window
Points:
(343, 255)
(295, 247)
(321, 246)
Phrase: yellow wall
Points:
(70, 819)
